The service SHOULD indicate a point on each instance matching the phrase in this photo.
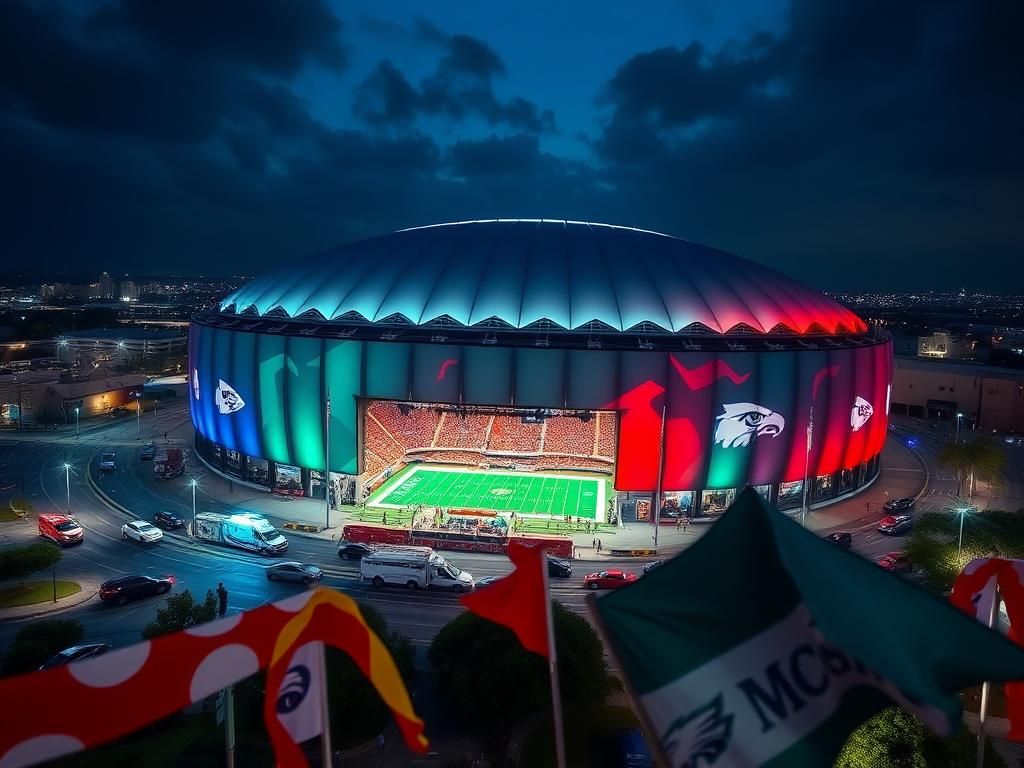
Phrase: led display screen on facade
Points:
(730, 418)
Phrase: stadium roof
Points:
(541, 274)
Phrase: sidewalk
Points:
(89, 590)
(903, 474)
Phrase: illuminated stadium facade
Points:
(542, 347)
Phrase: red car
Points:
(608, 579)
(895, 562)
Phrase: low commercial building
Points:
(120, 346)
(990, 397)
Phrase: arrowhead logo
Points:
(228, 401)
(700, 737)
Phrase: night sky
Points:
(857, 145)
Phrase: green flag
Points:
(763, 645)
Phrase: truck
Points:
(415, 568)
(168, 463)
(244, 530)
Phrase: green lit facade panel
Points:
(343, 364)
(305, 401)
(271, 355)
(387, 370)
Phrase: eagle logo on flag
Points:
(228, 401)
(860, 413)
(699, 738)
(742, 422)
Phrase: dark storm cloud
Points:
(831, 143)
(460, 88)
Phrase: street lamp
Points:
(138, 414)
(76, 421)
(67, 482)
(963, 512)
(957, 438)
(193, 483)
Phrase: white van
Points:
(415, 568)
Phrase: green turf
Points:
(36, 592)
(523, 494)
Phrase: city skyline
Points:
(860, 149)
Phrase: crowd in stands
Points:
(399, 432)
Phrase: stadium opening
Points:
(538, 368)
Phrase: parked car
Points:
(895, 562)
(141, 531)
(899, 505)
(125, 588)
(147, 451)
(559, 568)
(108, 461)
(353, 550)
(841, 539)
(895, 525)
(301, 573)
(168, 520)
(75, 653)
(117, 413)
(608, 579)
(652, 565)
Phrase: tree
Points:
(181, 612)
(896, 739)
(24, 561)
(979, 459)
(38, 641)
(497, 683)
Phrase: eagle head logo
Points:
(860, 413)
(228, 401)
(700, 737)
(742, 422)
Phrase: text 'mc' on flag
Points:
(764, 645)
(519, 600)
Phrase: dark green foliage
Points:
(181, 612)
(496, 683)
(19, 562)
(895, 739)
(38, 641)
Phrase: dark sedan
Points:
(127, 588)
(75, 653)
(168, 520)
(841, 539)
(895, 525)
(899, 505)
(353, 550)
(559, 568)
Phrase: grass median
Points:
(36, 592)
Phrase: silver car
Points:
(301, 573)
(141, 531)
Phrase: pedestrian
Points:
(593, 544)
(222, 599)
(598, 545)
(686, 524)
(385, 517)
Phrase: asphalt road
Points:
(37, 460)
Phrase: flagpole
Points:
(993, 611)
(661, 471)
(327, 459)
(327, 758)
(556, 694)
(650, 733)
(807, 463)
(229, 727)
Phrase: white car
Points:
(141, 531)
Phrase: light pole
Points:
(956, 439)
(193, 483)
(67, 482)
(138, 415)
(963, 511)
(76, 422)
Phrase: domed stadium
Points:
(541, 367)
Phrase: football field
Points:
(524, 494)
